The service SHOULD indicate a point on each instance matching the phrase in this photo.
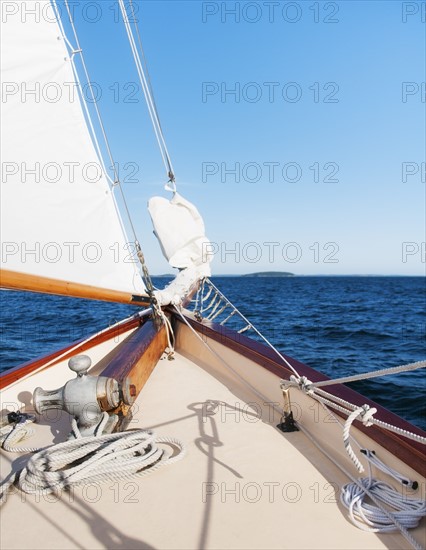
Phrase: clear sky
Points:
(314, 163)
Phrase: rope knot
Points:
(367, 415)
(304, 384)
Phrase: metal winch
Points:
(86, 398)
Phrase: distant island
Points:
(270, 274)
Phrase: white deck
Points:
(269, 490)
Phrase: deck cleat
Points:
(287, 423)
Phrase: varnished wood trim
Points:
(138, 356)
(20, 371)
(411, 452)
(45, 285)
(193, 290)
(134, 359)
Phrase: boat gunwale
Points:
(16, 373)
(413, 453)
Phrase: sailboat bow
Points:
(270, 451)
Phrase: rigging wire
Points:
(145, 273)
(148, 93)
(249, 325)
(148, 76)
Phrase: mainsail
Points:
(60, 228)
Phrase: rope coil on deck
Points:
(11, 434)
(108, 457)
(402, 512)
(405, 514)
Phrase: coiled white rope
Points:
(12, 434)
(375, 461)
(404, 532)
(392, 520)
(401, 511)
(94, 459)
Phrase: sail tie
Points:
(74, 52)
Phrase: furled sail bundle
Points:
(180, 231)
(60, 228)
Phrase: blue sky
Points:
(325, 141)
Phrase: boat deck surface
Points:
(243, 484)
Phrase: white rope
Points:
(346, 407)
(211, 315)
(216, 297)
(390, 427)
(227, 318)
(373, 459)
(11, 435)
(370, 455)
(170, 335)
(95, 459)
(206, 296)
(221, 310)
(245, 329)
(366, 414)
(402, 511)
(109, 457)
(357, 482)
(361, 490)
(366, 375)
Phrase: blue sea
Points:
(337, 325)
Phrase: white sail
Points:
(59, 220)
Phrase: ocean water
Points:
(337, 325)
